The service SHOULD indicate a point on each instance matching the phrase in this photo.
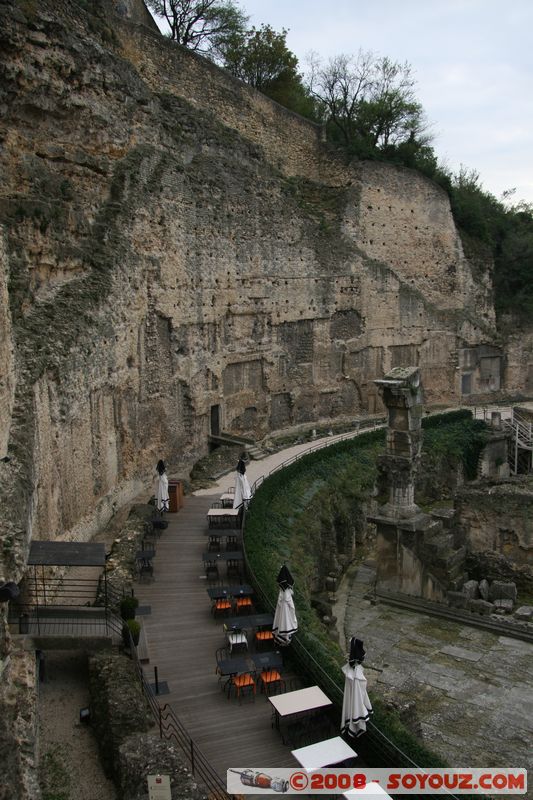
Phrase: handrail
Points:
(170, 727)
(374, 423)
(376, 736)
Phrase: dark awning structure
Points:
(67, 554)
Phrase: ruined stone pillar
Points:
(401, 392)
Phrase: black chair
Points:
(211, 571)
(213, 545)
(145, 568)
(233, 543)
(233, 568)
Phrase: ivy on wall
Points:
(324, 494)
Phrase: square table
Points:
(324, 754)
(372, 791)
(271, 660)
(224, 517)
(300, 700)
(225, 555)
(250, 663)
(227, 499)
(298, 703)
(221, 592)
(249, 621)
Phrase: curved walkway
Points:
(182, 641)
(183, 636)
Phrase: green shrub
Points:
(131, 628)
(326, 492)
(128, 607)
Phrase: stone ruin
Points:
(418, 554)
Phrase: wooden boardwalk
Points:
(182, 641)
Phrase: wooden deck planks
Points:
(183, 638)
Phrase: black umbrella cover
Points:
(357, 652)
(285, 579)
(8, 591)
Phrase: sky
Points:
(472, 61)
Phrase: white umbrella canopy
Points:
(285, 623)
(162, 493)
(356, 705)
(242, 493)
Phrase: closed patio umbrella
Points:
(243, 493)
(356, 706)
(285, 623)
(162, 500)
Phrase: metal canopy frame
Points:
(49, 554)
(66, 554)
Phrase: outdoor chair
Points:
(233, 543)
(271, 680)
(244, 604)
(221, 606)
(145, 568)
(213, 545)
(211, 571)
(263, 639)
(236, 639)
(222, 655)
(233, 568)
(242, 683)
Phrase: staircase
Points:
(230, 439)
(520, 442)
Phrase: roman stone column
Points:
(401, 392)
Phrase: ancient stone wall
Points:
(498, 519)
(175, 242)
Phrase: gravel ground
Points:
(70, 767)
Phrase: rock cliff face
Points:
(178, 253)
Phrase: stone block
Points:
(503, 606)
(471, 590)
(484, 589)
(524, 614)
(481, 607)
(456, 599)
(502, 590)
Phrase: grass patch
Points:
(55, 780)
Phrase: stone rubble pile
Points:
(496, 597)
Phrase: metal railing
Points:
(377, 741)
(171, 728)
(362, 426)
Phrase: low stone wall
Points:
(123, 723)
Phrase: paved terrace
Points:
(183, 638)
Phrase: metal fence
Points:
(171, 728)
(383, 750)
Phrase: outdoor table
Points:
(324, 754)
(299, 702)
(221, 592)
(271, 660)
(225, 555)
(227, 499)
(250, 663)
(225, 517)
(371, 790)
(234, 666)
(250, 621)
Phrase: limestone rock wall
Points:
(498, 519)
(178, 248)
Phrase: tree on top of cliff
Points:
(261, 58)
(368, 103)
(201, 25)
